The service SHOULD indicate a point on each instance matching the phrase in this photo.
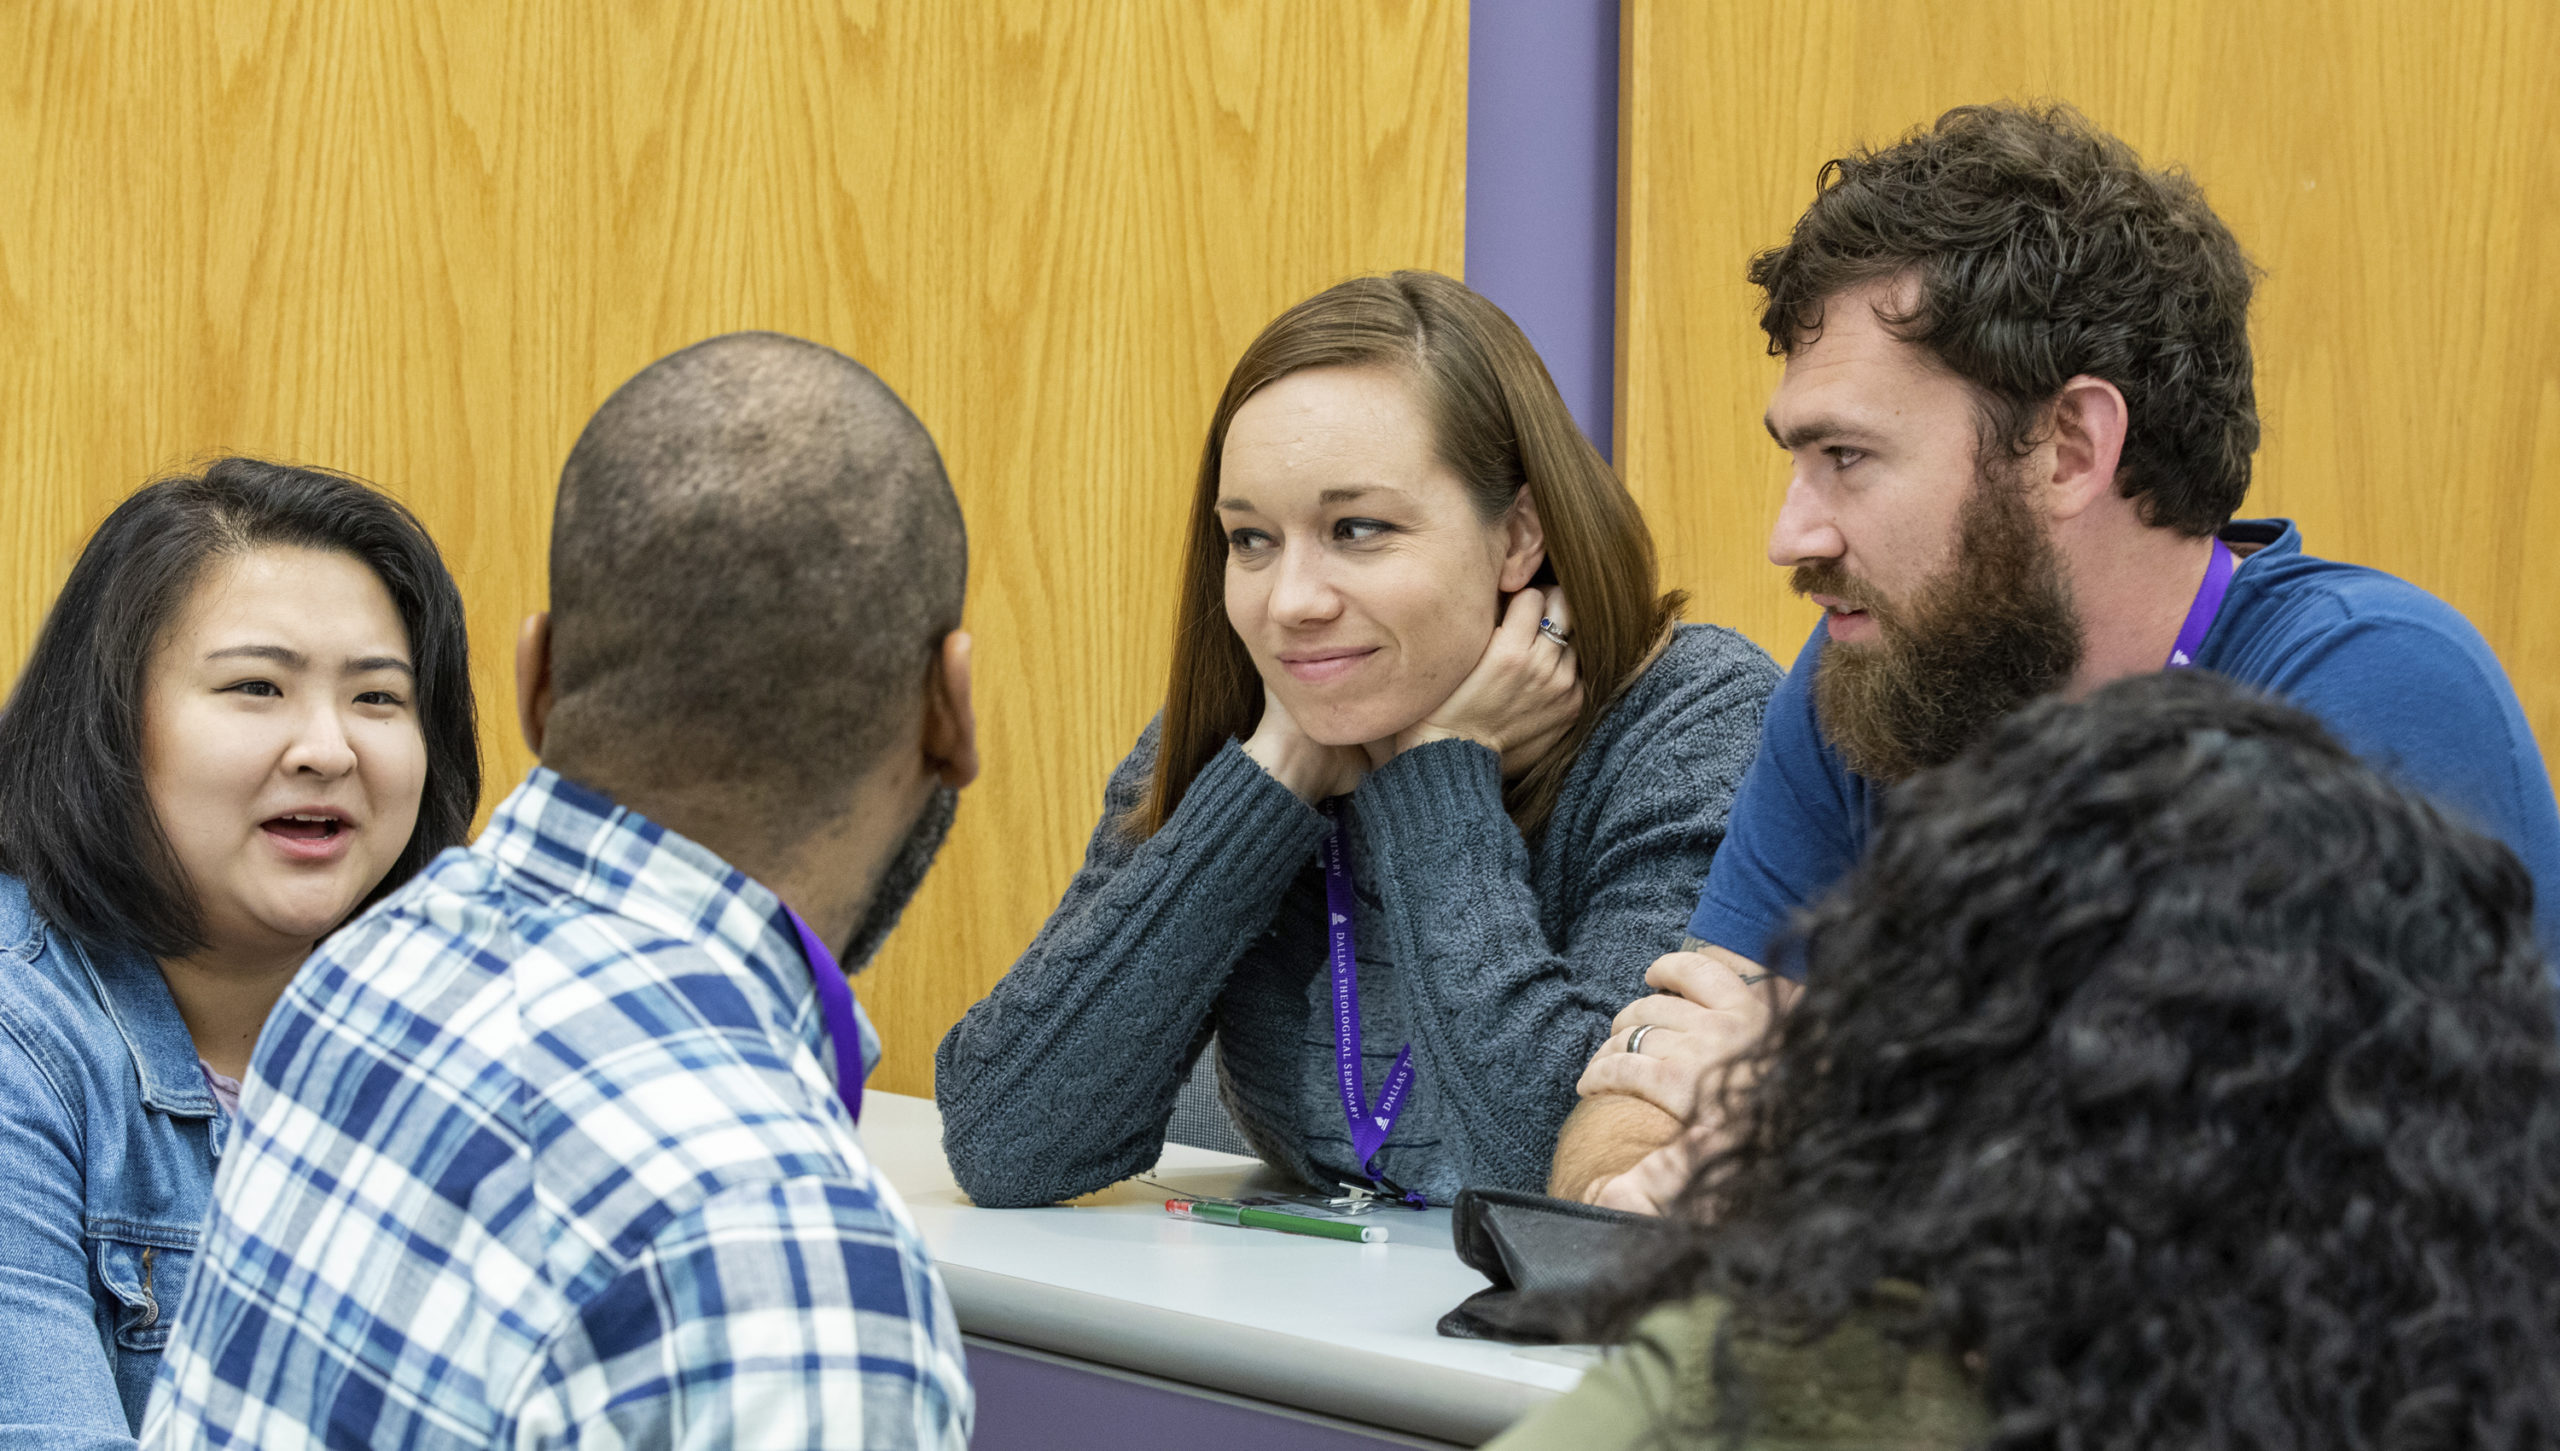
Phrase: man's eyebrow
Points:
(1821, 428)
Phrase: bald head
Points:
(754, 558)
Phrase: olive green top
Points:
(1856, 1387)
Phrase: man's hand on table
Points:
(1657, 1179)
(1708, 1006)
(1624, 1145)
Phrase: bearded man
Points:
(2018, 398)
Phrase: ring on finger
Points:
(1635, 1040)
(1548, 629)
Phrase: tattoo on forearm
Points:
(1692, 942)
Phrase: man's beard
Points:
(899, 880)
(1993, 631)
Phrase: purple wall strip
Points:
(1542, 186)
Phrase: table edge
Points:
(1289, 1370)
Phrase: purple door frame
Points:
(1542, 187)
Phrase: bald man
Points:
(557, 1144)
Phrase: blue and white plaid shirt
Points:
(543, 1151)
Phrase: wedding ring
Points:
(1548, 629)
(1635, 1040)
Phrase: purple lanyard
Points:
(1369, 1123)
(2217, 583)
(835, 1004)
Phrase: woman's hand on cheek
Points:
(1523, 694)
(1308, 768)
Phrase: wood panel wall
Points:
(2391, 166)
(421, 239)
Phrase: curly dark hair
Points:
(2043, 249)
(2203, 1079)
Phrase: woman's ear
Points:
(1524, 543)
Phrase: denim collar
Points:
(137, 1001)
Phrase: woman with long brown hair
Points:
(1437, 774)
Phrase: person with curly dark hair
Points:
(2019, 401)
(2166, 1077)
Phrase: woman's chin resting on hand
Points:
(1371, 573)
(1387, 614)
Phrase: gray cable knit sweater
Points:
(1501, 963)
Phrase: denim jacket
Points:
(108, 1136)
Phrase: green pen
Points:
(1237, 1214)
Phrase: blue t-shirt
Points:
(2399, 675)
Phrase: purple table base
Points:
(1030, 1400)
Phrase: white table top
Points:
(1341, 1329)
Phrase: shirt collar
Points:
(2271, 536)
(575, 839)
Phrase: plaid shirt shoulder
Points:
(541, 1151)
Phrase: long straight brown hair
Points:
(1501, 427)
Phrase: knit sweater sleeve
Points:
(1062, 1079)
(1511, 993)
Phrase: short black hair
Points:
(755, 555)
(2202, 1078)
(76, 823)
(2043, 248)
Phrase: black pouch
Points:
(1545, 1256)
